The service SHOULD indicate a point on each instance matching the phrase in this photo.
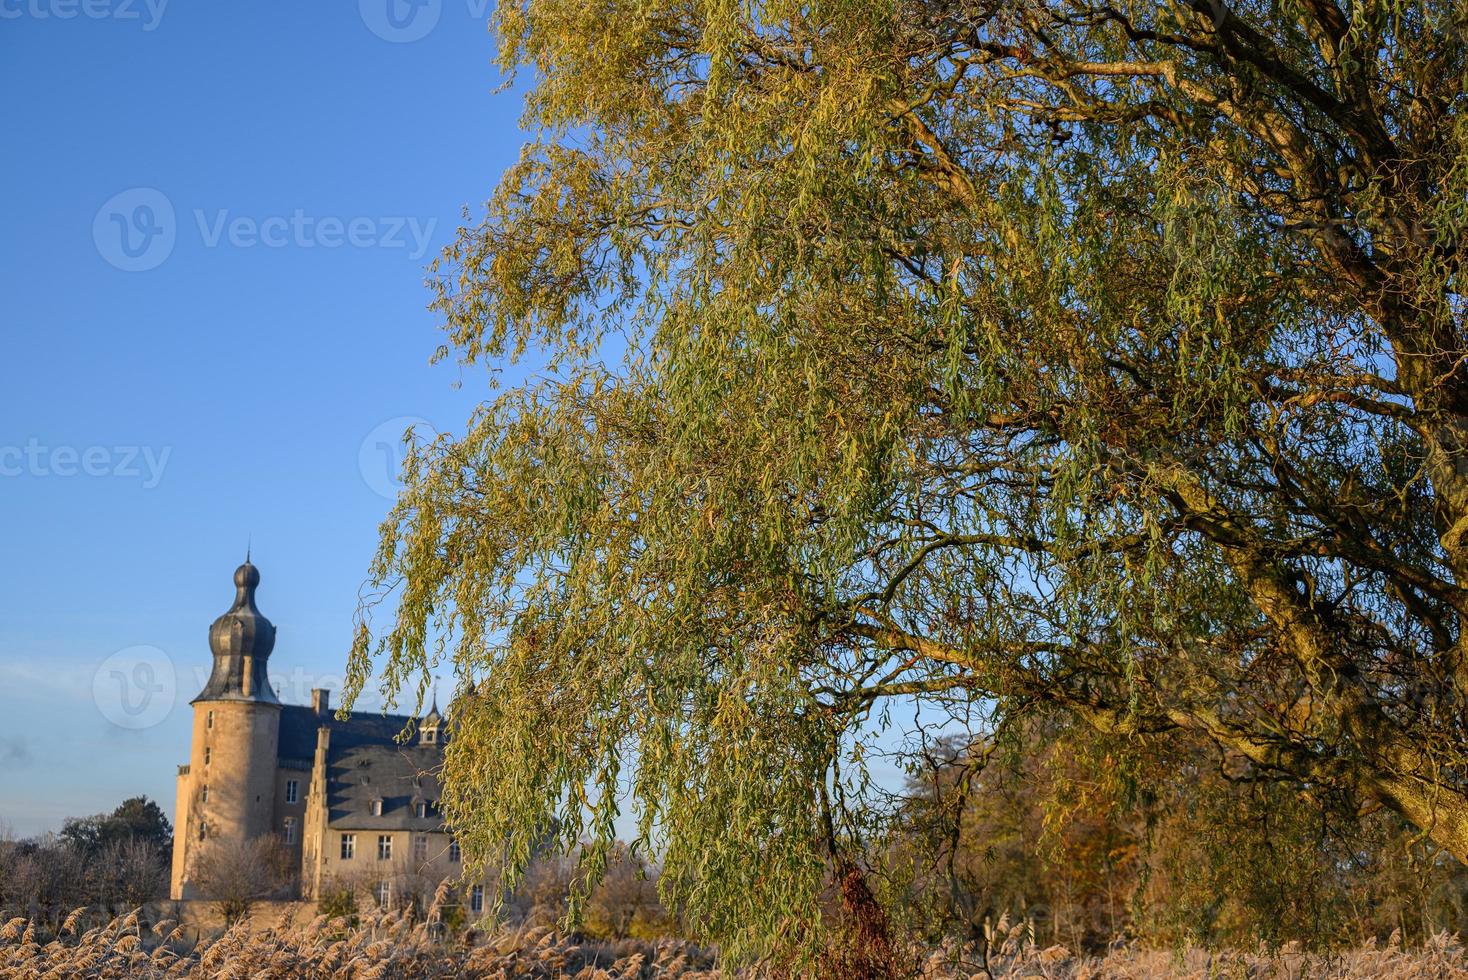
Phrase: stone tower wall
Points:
(235, 759)
(182, 817)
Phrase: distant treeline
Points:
(110, 862)
(1099, 839)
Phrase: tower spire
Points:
(241, 641)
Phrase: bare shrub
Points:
(625, 902)
(126, 874)
(235, 874)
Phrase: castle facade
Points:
(354, 808)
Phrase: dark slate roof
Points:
(364, 763)
(399, 775)
(299, 723)
(240, 640)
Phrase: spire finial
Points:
(249, 540)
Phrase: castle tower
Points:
(227, 790)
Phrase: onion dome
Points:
(241, 641)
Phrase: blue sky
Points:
(283, 172)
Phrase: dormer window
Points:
(421, 810)
(377, 808)
(428, 727)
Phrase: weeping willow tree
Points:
(959, 357)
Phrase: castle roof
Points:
(399, 776)
(299, 725)
(241, 640)
(365, 763)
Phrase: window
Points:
(454, 851)
(384, 847)
(290, 830)
(476, 898)
(209, 720)
(420, 848)
(292, 790)
(383, 892)
(203, 830)
(204, 795)
(207, 752)
(430, 735)
(377, 808)
(349, 846)
(422, 809)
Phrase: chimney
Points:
(320, 700)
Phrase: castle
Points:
(353, 807)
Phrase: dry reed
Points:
(388, 947)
